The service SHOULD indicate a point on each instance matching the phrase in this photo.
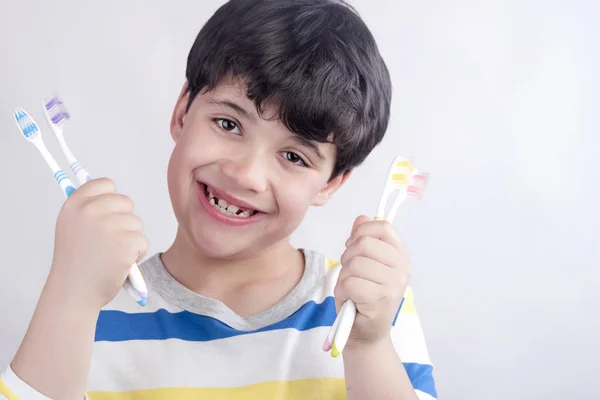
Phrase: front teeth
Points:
(224, 207)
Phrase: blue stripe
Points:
(118, 326)
(398, 312)
(421, 377)
(60, 176)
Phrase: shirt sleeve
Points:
(13, 388)
(409, 341)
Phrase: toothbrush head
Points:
(398, 178)
(417, 185)
(56, 111)
(400, 172)
(28, 127)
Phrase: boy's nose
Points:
(248, 171)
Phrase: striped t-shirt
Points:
(186, 346)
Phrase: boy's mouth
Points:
(226, 208)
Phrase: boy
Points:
(282, 100)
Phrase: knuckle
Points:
(338, 291)
(350, 284)
(88, 210)
(144, 243)
(107, 184)
(362, 242)
(128, 201)
(388, 294)
(388, 228)
(353, 266)
(139, 222)
(344, 274)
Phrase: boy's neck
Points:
(265, 278)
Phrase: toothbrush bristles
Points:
(56, 119)
(419, 182)
(52, 102)
(26, 124)
(56, 110)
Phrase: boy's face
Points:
(263, 176)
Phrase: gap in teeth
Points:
(224, 207)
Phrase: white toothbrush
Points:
(409, 183)
(57, 117)
(31, 131)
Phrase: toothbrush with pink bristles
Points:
(408, 183)
(57, 117)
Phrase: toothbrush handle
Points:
(347, 317)
(65, 183)
(136, 280)
(59, 175)
(82, 175)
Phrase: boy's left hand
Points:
(375, 272)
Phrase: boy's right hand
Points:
(97, 240)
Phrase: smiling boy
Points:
(283, 99)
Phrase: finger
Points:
(375, 249)
(382, 230)
(142, 248)
(96, 187)
(361, 291)
(358, 222)
(137, 247)
(125, 221)
(112, 203)
(368, 269)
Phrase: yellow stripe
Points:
(331, 264)
(7, 392)
(302, 389)
(408, 306)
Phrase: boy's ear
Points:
(179, 113)
(328, 190)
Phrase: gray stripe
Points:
(160, 281)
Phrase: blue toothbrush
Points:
(31, 131)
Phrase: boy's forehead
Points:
(232, 92)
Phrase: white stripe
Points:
(20, 388)
(265, 356)
(424, 396)
(409, 340)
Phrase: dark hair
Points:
(316, 60)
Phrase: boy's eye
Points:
(227, 125)
(294, 158)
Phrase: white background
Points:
(498, 100)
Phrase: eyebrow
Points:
(232, 106)
(310, 144)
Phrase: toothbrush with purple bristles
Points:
(57, 117)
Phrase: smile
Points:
(225, 208)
